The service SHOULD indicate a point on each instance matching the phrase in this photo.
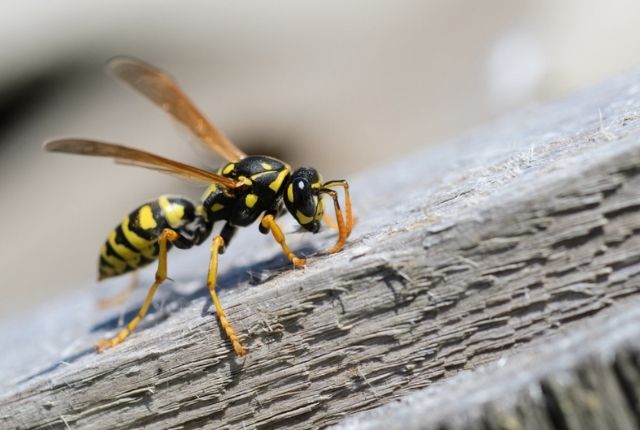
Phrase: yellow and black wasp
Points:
(245, 189)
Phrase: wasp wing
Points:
(162, 90)
(125, 155)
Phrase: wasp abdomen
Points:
(134, 242)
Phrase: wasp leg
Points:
(347, 202)
(121, 296)
(342, 228)
(216, 247)
(330, 222)
(268, 223)
(161, 275)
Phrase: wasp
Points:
(247, 188)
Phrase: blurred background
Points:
(342, 86)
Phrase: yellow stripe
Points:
(302, 218)
(266, 166)
(141, 244)
(131, 257)
(138, 242)
(146, 219)
(173, 212)
(277, 183)
(148, 253)
(216, 207)
(119, 265)
(258, 175)
(250, 200)
(290, 193)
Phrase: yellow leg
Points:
(217, 243)
(347, 202)
(330, 222)
(342, 229)
(123, 295)
(269, 223)
(161, 275)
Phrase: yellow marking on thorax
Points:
(255, 176)
(277, 182)
(315, 185)
(266, 166)
(228, 168)
(131, 257)
(146, 219)
(250, 200)
(173, 212)
(210, 190)
(290, 193)
(302, 218)
(217, 207)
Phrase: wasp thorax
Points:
(302, 198)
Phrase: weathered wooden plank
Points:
(580, 378)
(461, 256)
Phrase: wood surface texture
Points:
(470, 253)
(586, 378)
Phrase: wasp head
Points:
(302, 198)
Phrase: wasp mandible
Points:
(243, 190)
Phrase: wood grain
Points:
(579, 378)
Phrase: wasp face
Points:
(302, 198)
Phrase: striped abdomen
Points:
(134, 243)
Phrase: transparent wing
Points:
(125, 155)
(162, 90)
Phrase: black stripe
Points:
(156, 211)
(144, 260)
(149, 235)
(112, 252)
(105, 263)
(121, 239)
(128, 267)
